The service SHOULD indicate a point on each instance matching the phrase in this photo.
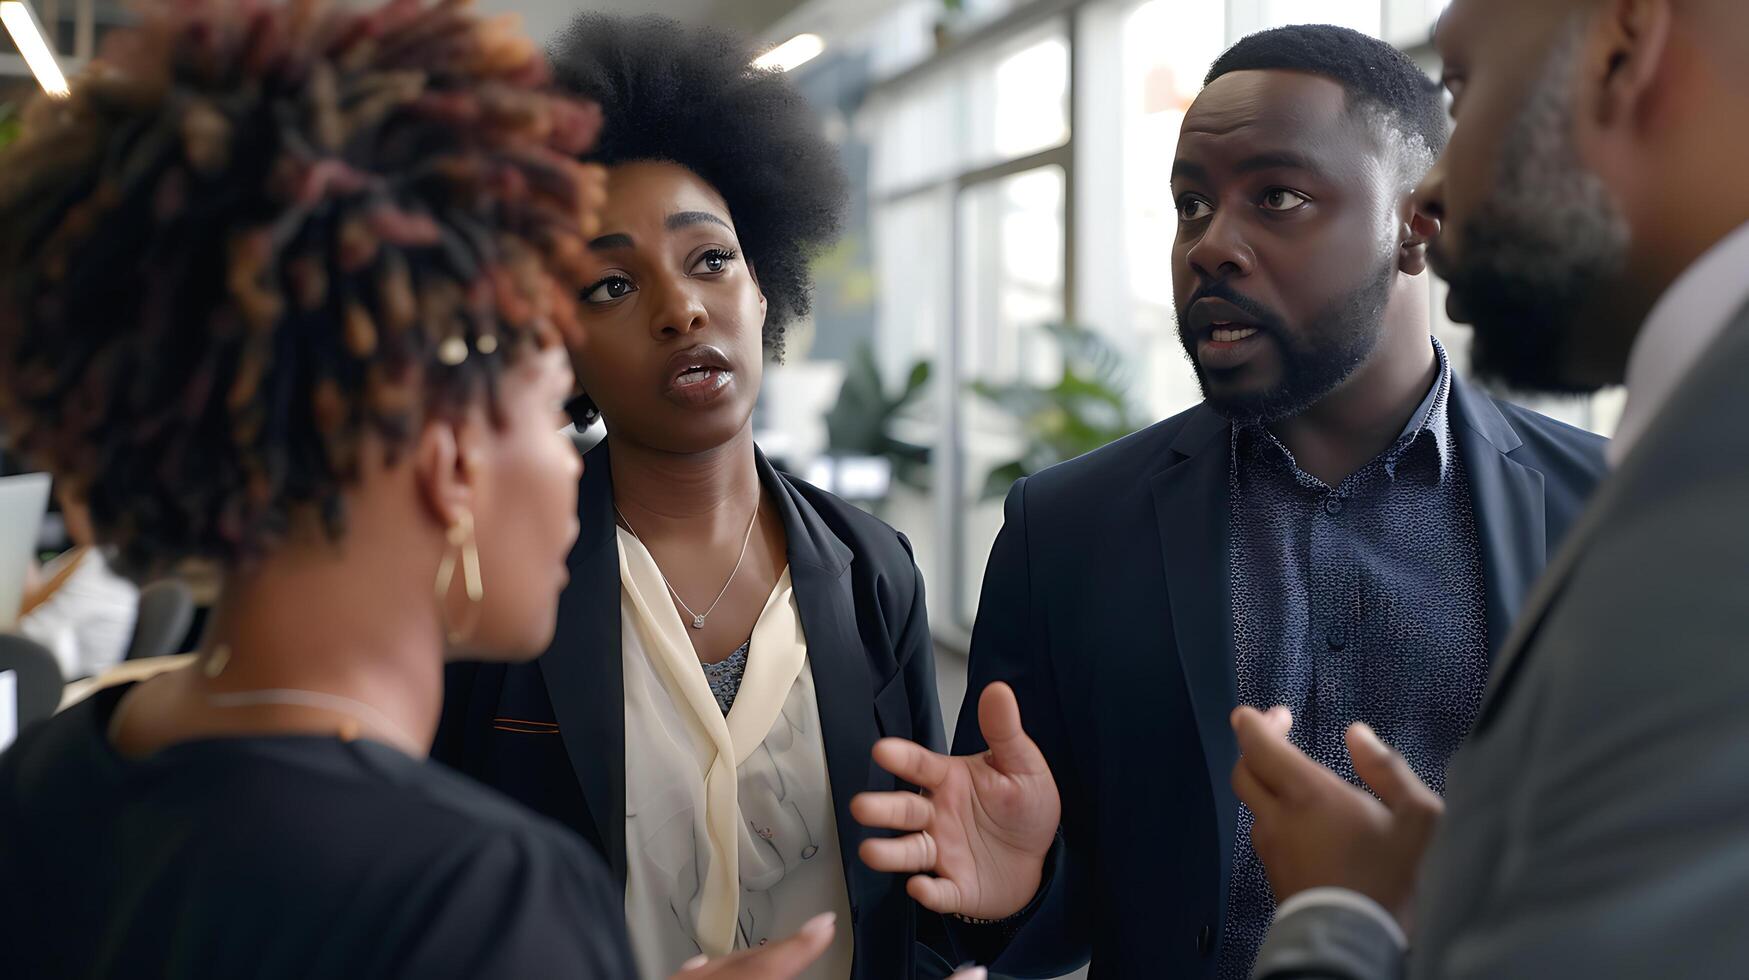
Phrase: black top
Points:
(284, 856)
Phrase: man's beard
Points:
(1314, 361)
(1548, 239)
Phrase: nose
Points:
(1221, 252)
(678, 312)
(1429, 197)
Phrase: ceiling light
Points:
(793, 53)
(27, 33)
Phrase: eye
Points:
(1281, 199)
(713, 261)
(1194, 209)
(608, 289)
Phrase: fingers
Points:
(1011, 751)
(910, 853)
(782, 960)
(935, 894)
(1251, 792)
(971, 973)
(1387, 773)
(892, 811)
(1282, 769)
(1280, 720)
(912, 762)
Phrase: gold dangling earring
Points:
(462, 545)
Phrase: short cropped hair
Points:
(691, 96)
(257, 233)
(1375, 75)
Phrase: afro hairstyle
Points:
(691, 96)
(1376, 76)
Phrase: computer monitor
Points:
(23, 500)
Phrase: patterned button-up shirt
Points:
(1360, 602)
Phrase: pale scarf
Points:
(730, 835)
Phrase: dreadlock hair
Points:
(257, 232)
(691, 96)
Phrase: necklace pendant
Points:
(698, 622)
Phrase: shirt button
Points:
(1333, 505)
(1335, 638)
(1205, 940)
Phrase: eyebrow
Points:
(1194, 171)
(686, 219)
(675, 222)
(1278, 160)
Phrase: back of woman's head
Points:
(259, 236)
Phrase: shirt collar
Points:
(1431, 419)
(1686, 320)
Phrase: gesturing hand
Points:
(979, 834)
(783, 960)
(1312, 828)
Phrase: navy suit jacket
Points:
(1106, 605)
(551, 733)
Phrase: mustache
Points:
(1267, 319)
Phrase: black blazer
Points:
(1106, 604)
(551, 733)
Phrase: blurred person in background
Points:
(76, 605)
(1596, 232)
(1344, 526)
(733, 641)
(286, 288)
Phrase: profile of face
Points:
(1291, 238)
(671, 322)
(1532, 236)
(515, 474)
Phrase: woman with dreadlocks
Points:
(733, 641)
(281, 288)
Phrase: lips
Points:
(698, 375)
(1226, 337)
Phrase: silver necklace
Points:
(697, 618)
(358, 710)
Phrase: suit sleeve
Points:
(1622, 852)
(915, 652)
(1010, 642)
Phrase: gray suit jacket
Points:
(1597, 823)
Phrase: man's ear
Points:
(446, 465)
(1626, 57)
(1419, 231)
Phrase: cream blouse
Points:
(731, 840)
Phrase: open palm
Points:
(976, 838)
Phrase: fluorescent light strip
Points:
(793, 53)
(21, 23)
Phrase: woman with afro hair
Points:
(733, 641)
(285, 288)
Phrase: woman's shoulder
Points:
(867, 536)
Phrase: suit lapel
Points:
(1508, 501)
(819, 566)
(1191, 505)
(584, 675)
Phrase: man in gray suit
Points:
(1596, 218)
